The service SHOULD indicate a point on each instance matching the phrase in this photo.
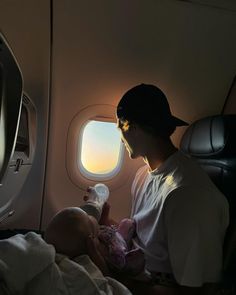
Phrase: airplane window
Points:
(100, 149)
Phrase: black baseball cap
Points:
(147, 104)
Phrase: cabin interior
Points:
(69, 64)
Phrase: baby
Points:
(70, 229)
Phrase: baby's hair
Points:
(68, 231)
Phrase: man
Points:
(181, 217)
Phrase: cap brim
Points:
(179, 122)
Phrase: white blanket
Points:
(30, 266)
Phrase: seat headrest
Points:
(211, 137)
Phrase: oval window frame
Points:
(100, 111)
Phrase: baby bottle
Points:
(98, 194)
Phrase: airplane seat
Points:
(17, 133)
(10, 103)
(211, 142)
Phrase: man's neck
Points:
(158, 152)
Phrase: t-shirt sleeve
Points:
(195, 235)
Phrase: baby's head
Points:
(69, 229)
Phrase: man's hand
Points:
(105, 219)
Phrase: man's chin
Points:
(132, 155)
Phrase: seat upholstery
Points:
(212, 142)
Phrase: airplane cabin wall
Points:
(101, 49)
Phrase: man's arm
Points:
(105, 218)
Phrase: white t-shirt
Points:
(181, 219)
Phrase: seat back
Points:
(11, 85)
(212, 142)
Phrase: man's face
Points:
(128, 137)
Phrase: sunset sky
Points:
(101, 145)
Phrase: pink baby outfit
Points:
(120, 253)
